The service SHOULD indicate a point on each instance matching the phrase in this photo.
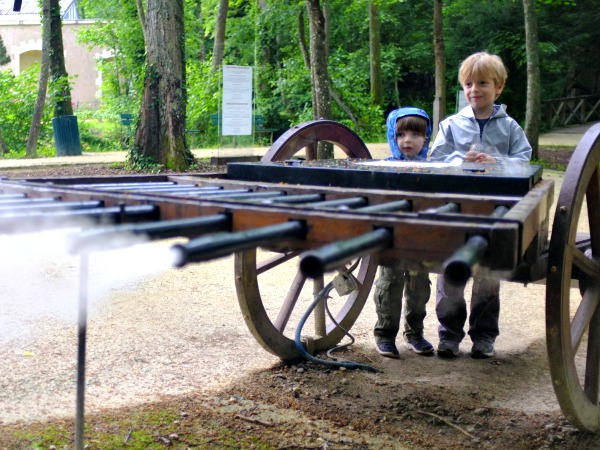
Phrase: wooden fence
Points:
(562, 112)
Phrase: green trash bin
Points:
(66, 136)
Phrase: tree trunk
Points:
(335, 96)
(60, 78)
(40, 102)
(4, 58)
(533, 112)
(439, 103)
(219, 46)
(160, 134)
(375, 55)
(201, 30)
(318, 70)
(3, 146)
(142, 17)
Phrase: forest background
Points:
(267, 34)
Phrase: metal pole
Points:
(81, 343)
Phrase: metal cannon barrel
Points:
(460, 266)
(315, 263)
(398, 205)
(25, 222)
(223, 244)
(126, 235)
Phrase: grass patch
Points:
(152, 427)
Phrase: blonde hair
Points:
(484, 65)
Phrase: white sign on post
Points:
(237, 101)
(461, 101)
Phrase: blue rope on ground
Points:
(322, 296)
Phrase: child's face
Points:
(410, 143)
(481, 93)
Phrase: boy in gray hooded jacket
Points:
(408, 133)
(482, 133)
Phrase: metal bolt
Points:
(553, 269)
(563, 209)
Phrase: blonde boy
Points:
(481, 132)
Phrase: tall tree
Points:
(160, 133)
(318, 70)
(375, 54)
(533, 113)
(439, 102)
(40, 102)
(58, 72)
(4, 58)
(219, 45)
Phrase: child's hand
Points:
(478, 157)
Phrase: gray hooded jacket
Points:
(502, 136)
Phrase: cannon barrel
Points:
(447, 208)
(36, 221)
(23, 200)
(223, 244)
(398, 205)
(126, 235)
(460, 266)
(57, 205)
(299, 198)
(350, 202)
(315, 263)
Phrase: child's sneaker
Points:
(420, 345)
(447, 349)
(482, 350)
(387, 349)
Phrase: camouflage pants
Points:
(389, 289)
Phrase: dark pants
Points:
(451, 310)
(389, 289)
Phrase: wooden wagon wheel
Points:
(573, 325)
(272, 316)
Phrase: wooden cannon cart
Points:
(319, 221)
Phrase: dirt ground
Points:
(163, 338)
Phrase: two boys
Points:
(483, 133)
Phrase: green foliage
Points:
(203, 100)
(102, 131)
(17, 100)
(265, 35)
(141, 163)
(119, 32)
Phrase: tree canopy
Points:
(266, 34)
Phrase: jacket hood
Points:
(391, 130)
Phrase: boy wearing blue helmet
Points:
(408, 133)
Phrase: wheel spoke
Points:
(319, 311)
(275, 261)
(587, 265)
(583, 316)
(289, 302)
(593, 207)
(592, 367)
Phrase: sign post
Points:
(237, 101)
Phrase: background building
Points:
(22, 35)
